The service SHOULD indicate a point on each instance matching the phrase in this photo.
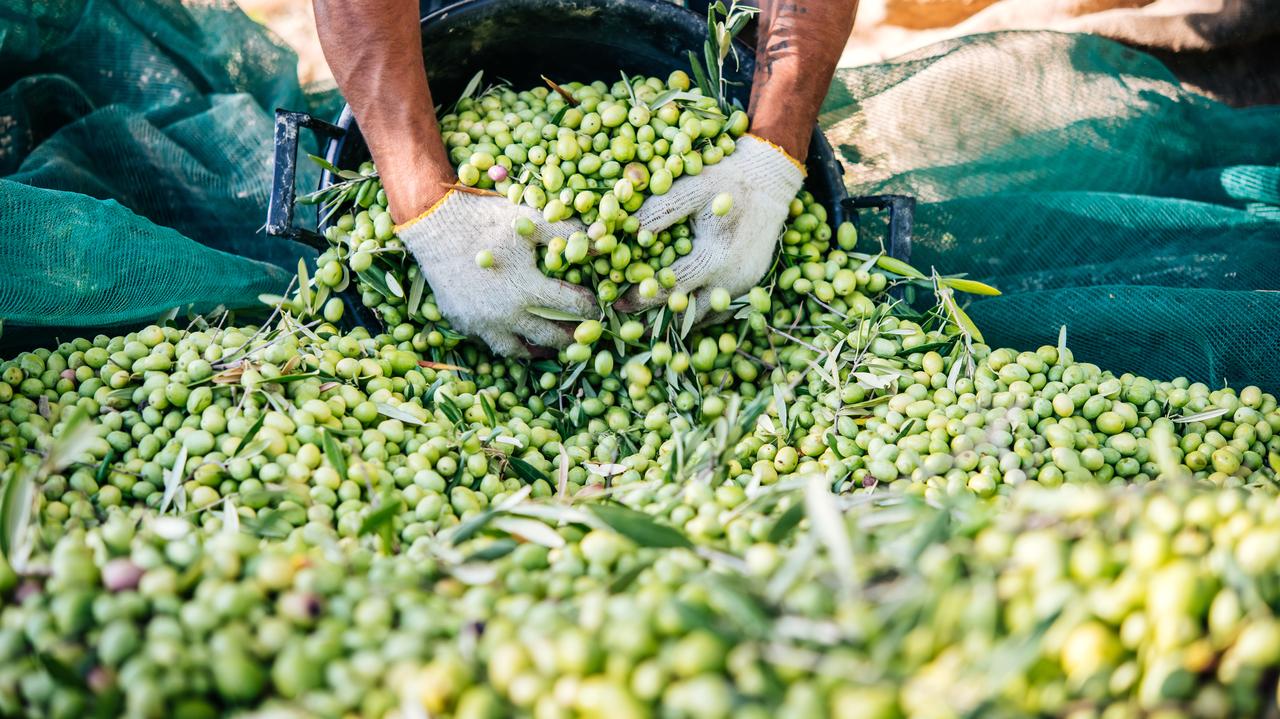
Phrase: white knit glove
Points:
(491, 303)
(735, 250)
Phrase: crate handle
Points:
(280, 207)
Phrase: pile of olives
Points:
(824, 502)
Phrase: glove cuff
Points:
(804, 172)
(765, 170)
(425, 213)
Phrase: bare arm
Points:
(799, 44)
(375, 50)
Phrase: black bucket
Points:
(585, 40)
(521, 40)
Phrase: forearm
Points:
(798, 47)
(375, 51)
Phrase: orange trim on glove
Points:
(785, 154)
(426, 212)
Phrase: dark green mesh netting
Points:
(1078, 176)
(135, 143)
(1071, 172)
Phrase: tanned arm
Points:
(374, 48)
(799, 44)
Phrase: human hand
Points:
(492, 302)
(732, 250)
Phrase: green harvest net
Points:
(1071, 172)
(135, 143)
(1077, 176)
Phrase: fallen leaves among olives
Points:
(827, 503)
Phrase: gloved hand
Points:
(491, 303)
(732, 251)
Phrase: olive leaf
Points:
(829, 528)
(699, 76)
(689, 313)
(472, 85)
(333, 452)
(317, 301)
(1015, 656)
(487, 406)
(286, 379)
(555, 513)
(253, 432)
(255, 448)
(960, 317)
(872, 381)
(1201, 416)
(376, 282)
(377, 518)
(379, 521)
(393, 412)
(173, 478)
(60, 672)
(312, 198)
(549, 313)
(568, 96)
(573, 376)
(907, 427)
(627, 578)
(172, 529)
(730, 598)
(781, 529)
(717, 47)
(605, 470)
(674, 465)
(415, 293)
(526, 471)
(672, 95)
(440, 366)
(868, 261)
(430, 394)
(468, 528)
(304, 283)
(496, 549)
(516, 499)
(710, 54)
(230, 517)
(77, 435)
(953, 376)
(898, 267)
(972, 287)
(15, 516)
(661, 320)
(1163, 452)
(345, 281)
(631, 90)
(639, 527)
(104, 467)
(510, 441)
(450, 409)
(393, 285)
(530, 530)
(324, 164)
(474, 573)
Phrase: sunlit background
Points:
(1219, 47)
